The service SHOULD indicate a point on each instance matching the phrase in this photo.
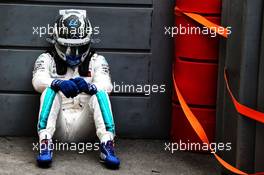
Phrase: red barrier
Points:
(182, 130)
(194, 44)
(200, 6)
(196, 81)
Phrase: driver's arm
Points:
(41, 73)
(101, 77)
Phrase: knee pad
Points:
(103, 101)
(46, 107)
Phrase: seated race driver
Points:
(74, 83)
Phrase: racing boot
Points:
(44, 159)
(107, 155)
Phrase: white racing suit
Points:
(74, 118)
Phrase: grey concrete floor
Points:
(139, 157)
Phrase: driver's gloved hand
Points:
(67, 87)
(83, 86)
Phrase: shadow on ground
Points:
(139, 157)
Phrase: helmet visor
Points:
(73, 51)
(73, 54)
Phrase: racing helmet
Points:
(72, 36)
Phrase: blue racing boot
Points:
(108, 156)
(44, 158)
